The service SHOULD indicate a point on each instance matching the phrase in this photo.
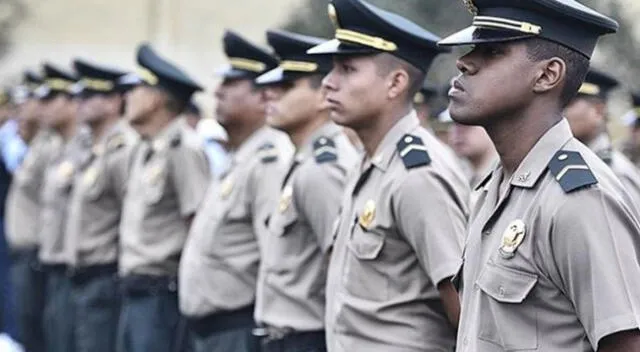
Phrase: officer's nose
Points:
(328, 82)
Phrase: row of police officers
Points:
(306, 242)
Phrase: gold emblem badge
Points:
(368, 214)
(470, 6)
(333, 15)
(512, 239)
(285, 199)
(226, 187)
(65, 170)
(90, 176)
(153, 175)
(159, 145)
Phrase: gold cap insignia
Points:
(226, 187)
(368, 214)
(285, 199)
(471, 6)
(90, 176)
(65, 170)
(512, 239)
(333, 15)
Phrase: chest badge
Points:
(226, 187)
(90, 176)
(368, 214)
(154, 174)
(285, 199)
(65, 170)
(512, 239)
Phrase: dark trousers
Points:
(96, 303)
(297, 342)
(150, 319)
(7, 316)
(28, 284)
(225, 332)
(58, 312)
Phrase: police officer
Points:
(551, 261)
(169, 174)
(587, 116)
(22, 216)
(59, 110)
(95, 209)
(219, 268)
(631, 145)
(400, 232)
(290, 301)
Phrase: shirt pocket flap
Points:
(284, 220)
(365, 245)
(506, 285)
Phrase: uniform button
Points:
(465, 341)
(476, 287)
(486, 232)
(501, 291)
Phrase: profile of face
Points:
(141, 102)
(97, 107)
(586, 117)
(238, 100)
(469, 142)
(495, 80)
(59, 110)
(355, 90)
(29, 118)
(292, 104)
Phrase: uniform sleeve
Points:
(264, 190)
(595, 246)
(318, 193)
(190, 176)
(432, 222)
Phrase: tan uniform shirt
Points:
(551, 262)
(292, 279)
(55, 195)
(167, 181)
(96, 199)
(219, 268)
(23, 202)
(400, 233)
(620, 164)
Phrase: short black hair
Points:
(387, 62)
(577, 64)
(175, 105)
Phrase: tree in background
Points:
(446, 16)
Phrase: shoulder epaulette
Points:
(268, 153)
(324, 150)
(413, 151)
(571, 171)
(116, 142)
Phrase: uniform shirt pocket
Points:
(154, 179)
(93, 181)
(509, 317)
(365, 277)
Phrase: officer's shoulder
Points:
(413, 151)
(325, 150)
(571, 171)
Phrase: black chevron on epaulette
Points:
(116, 142)
(324, 150)
(268, 153)
(413, 152)
(571, 171)
(175, 141)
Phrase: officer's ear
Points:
(549, 74)
(398, 83)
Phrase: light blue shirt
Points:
(218, 157)
(12, 147)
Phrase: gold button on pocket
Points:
(509, 316)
